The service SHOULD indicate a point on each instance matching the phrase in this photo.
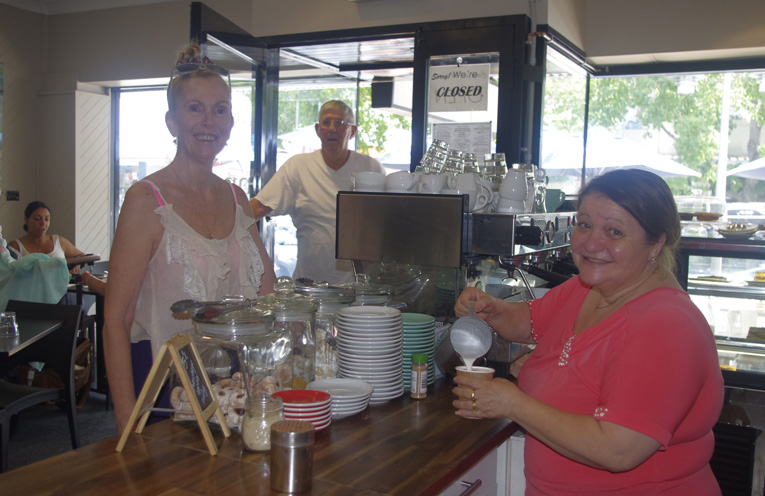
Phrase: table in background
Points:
(30, 331)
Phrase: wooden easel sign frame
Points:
(179, 353)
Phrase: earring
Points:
(652, 261)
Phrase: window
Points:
(670, 124)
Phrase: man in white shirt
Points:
(305, 188)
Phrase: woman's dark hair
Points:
(649, 200)
(31, 209)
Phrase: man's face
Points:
(334, 131)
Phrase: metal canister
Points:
(330, 299)
(292, 444)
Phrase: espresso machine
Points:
(430, 248)
(455, 249)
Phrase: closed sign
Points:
(459, 88)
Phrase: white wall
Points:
(92, 173)
(118, 44)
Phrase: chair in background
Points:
(56, 350)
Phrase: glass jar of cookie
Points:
(244, 356)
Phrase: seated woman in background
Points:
(36, 277)
(621, 393)
(37, 239)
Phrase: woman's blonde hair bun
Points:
(192, 54)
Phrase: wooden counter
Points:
(404, 447)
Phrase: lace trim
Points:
(563, 359)
(182, 239)
(178, 252)
(600, 412)
(534, 335)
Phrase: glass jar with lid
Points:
(369, 292)
(295, 314)
(330, 299)
(243, 355)
(261, 412)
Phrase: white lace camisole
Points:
(187, 265)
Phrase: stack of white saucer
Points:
(349, 396)
(370, 348)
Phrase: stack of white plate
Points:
(307, 405)
(349, 396)
(370, 348)
(419, 337)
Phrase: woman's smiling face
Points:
(202, 119)
(609, 245)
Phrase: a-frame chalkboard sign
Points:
(181, 354)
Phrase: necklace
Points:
(625, 296)
(206, 228)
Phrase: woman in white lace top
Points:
(183, 233)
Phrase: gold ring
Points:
(472, 394)
(474, 406)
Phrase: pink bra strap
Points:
(233, 191)
(160, 200)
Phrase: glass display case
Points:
(721, 277)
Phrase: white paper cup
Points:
(485, 373)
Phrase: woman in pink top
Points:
(183, 233)
(623, 388)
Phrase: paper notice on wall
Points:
(455, 88)
(470, 137)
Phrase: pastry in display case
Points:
(725, 278)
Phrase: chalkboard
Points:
(179, 354)
(196, 376)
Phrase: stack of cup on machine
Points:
(479, 190)
(433, 160)
(494, 169)
(369, 181)
(513, 192)
(402, 182)
(530, 171)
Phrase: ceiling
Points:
(51, 7)
(332, 62)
